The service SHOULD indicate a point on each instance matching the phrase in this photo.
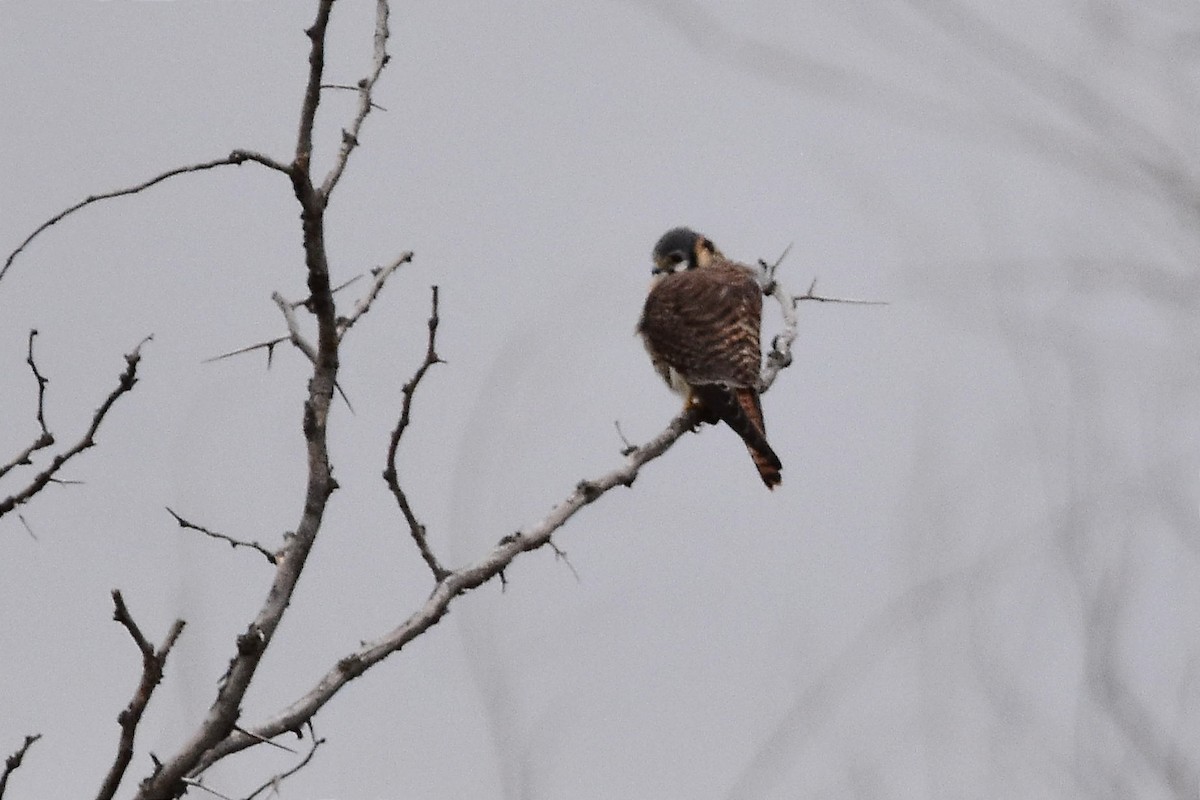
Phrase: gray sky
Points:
(979, 577)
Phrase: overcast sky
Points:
(980, 576)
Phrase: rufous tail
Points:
(741, 410)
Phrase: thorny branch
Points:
(389, 472)
(13, 762)
(153, 662)
(124, 384)
(234, 543)
(45, 438)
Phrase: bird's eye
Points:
(676, 256)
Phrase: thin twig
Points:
(381, 274)
(124, 384)
(13, 762)
(389, 473)
(45, 438)
(237, 157)
(153, 662)
(365, 87)
(41, 382)
(561, 555)
(275, 781)
(629, 447)
(234, 543)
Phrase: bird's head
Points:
(682, 246)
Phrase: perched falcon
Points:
(700, 325)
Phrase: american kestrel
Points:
(701, 325)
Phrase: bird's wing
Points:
(705, 324)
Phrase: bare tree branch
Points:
(237, 157)
(381, 274)
(45, 438)
(13, 762)
(220, 721)
(234, 543)
(124, 384)
(365, 86)
(153, 662)
(389, 472)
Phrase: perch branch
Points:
(153, 662)
(234, 543)
(13, 762)
(124, 384)
(389, 473)
(237, 157)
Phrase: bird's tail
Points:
(741, 410)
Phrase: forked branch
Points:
(153, 662)
(125, 383)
